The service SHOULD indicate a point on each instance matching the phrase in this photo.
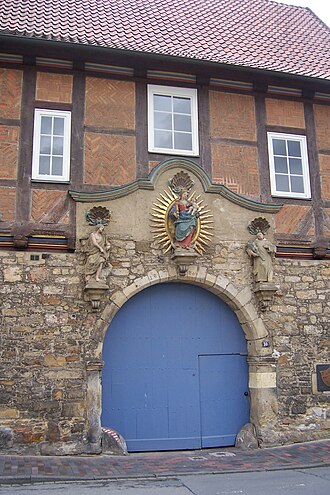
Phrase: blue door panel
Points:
(152, 423)
(224, 409)
(159, 444)
(156, 382)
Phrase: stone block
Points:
(119, 298)
(153, 277)
(73, 409)
(201, 274)
(9, 413)
(53, 432)
(244, 296)
(113, 442)
(13, 274)
(6, 437)
(53, 361)
(53, 289)
(109, 312)
(210, 279)
(191, 272)
(247, 438)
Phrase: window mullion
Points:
(52, 146)
(172, 111)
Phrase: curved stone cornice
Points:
(149, 184)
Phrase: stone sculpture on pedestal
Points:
(96, 251)
(262, 252)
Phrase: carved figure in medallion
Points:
(261, 250)
(184, 213)
(180, 220)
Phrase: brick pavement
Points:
(19, 469)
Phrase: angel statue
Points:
(97, 246)
(261, 251)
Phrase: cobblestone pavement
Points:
(19, 469)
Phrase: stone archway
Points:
(262, 373)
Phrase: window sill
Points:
(291, 196)
(50, 181)
(173, 152)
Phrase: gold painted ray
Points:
(200, 249)
(162, 206)
(158, 210)
(158, 228)
(167, 199)
(206, 216)
(163, 227)
(157, 215)
(201, 241)
(204, 239)
(168, 196)
(161, 236)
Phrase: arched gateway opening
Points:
(175, 370)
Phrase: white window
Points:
(288, 161)
(51, 145)
(173, 120)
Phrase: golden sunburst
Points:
(164, 228)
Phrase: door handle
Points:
(246, 394)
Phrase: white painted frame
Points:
(180, 92)
(66, 115)
(305, 167)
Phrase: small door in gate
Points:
(223, 398)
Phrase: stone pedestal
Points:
(265, 292)
(183, 258)
(94, 292)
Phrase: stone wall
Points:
(49, 340)
(299, 322)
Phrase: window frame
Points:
(36, 175)
(304, 162)
(173, 91)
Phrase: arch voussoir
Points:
(239, 299)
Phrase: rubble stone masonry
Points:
(48, 330)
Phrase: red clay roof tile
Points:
(251, 33)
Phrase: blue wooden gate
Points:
(175, 373)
